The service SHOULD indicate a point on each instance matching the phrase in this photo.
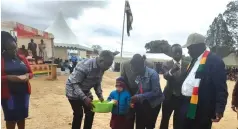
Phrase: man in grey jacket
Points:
(86, 75)
(173, 71)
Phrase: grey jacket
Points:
(86, 75)
(174, 82)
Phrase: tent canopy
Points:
(154, 57)
(24, 30)
(231, 60)
(73, 46)
(63, 34)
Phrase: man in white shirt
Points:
(204, 89)
(173, 71)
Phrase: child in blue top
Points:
(121, 98)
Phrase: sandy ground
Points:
(49, 108)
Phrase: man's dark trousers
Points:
(146, 116)
(169, 105)
(79, 108)
(200, 121)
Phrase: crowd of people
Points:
(67, 64)
(232, 73)
(196, 92)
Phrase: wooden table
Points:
(52, 74)
(40, 68)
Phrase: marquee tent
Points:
(24, 33)
(24, 30)
(63, 34)
(231, 60)
(154, 57)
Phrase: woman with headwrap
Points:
(15, 86)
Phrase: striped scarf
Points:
(194, 98)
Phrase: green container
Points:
(102, 107)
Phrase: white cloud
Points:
(172, 20)
(153, 19)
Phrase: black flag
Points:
(129, 17)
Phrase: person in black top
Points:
(33, 46)
(23, 51)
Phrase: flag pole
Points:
(122, 37)
(123, 28)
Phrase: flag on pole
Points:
(129, 17)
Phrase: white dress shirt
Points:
(190, 81)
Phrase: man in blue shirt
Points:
(74, 60)
(148, 98)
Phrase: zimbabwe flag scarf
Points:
(194, 98)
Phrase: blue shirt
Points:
(16, 67)
(150, 85)
(74, 59)
(123, 98)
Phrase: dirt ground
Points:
(49, 108)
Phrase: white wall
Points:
(82, 54)
(61, 52)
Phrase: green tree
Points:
(211, 34)
(96, 49)
(158, 46)
(231, 17)
(219, 38)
